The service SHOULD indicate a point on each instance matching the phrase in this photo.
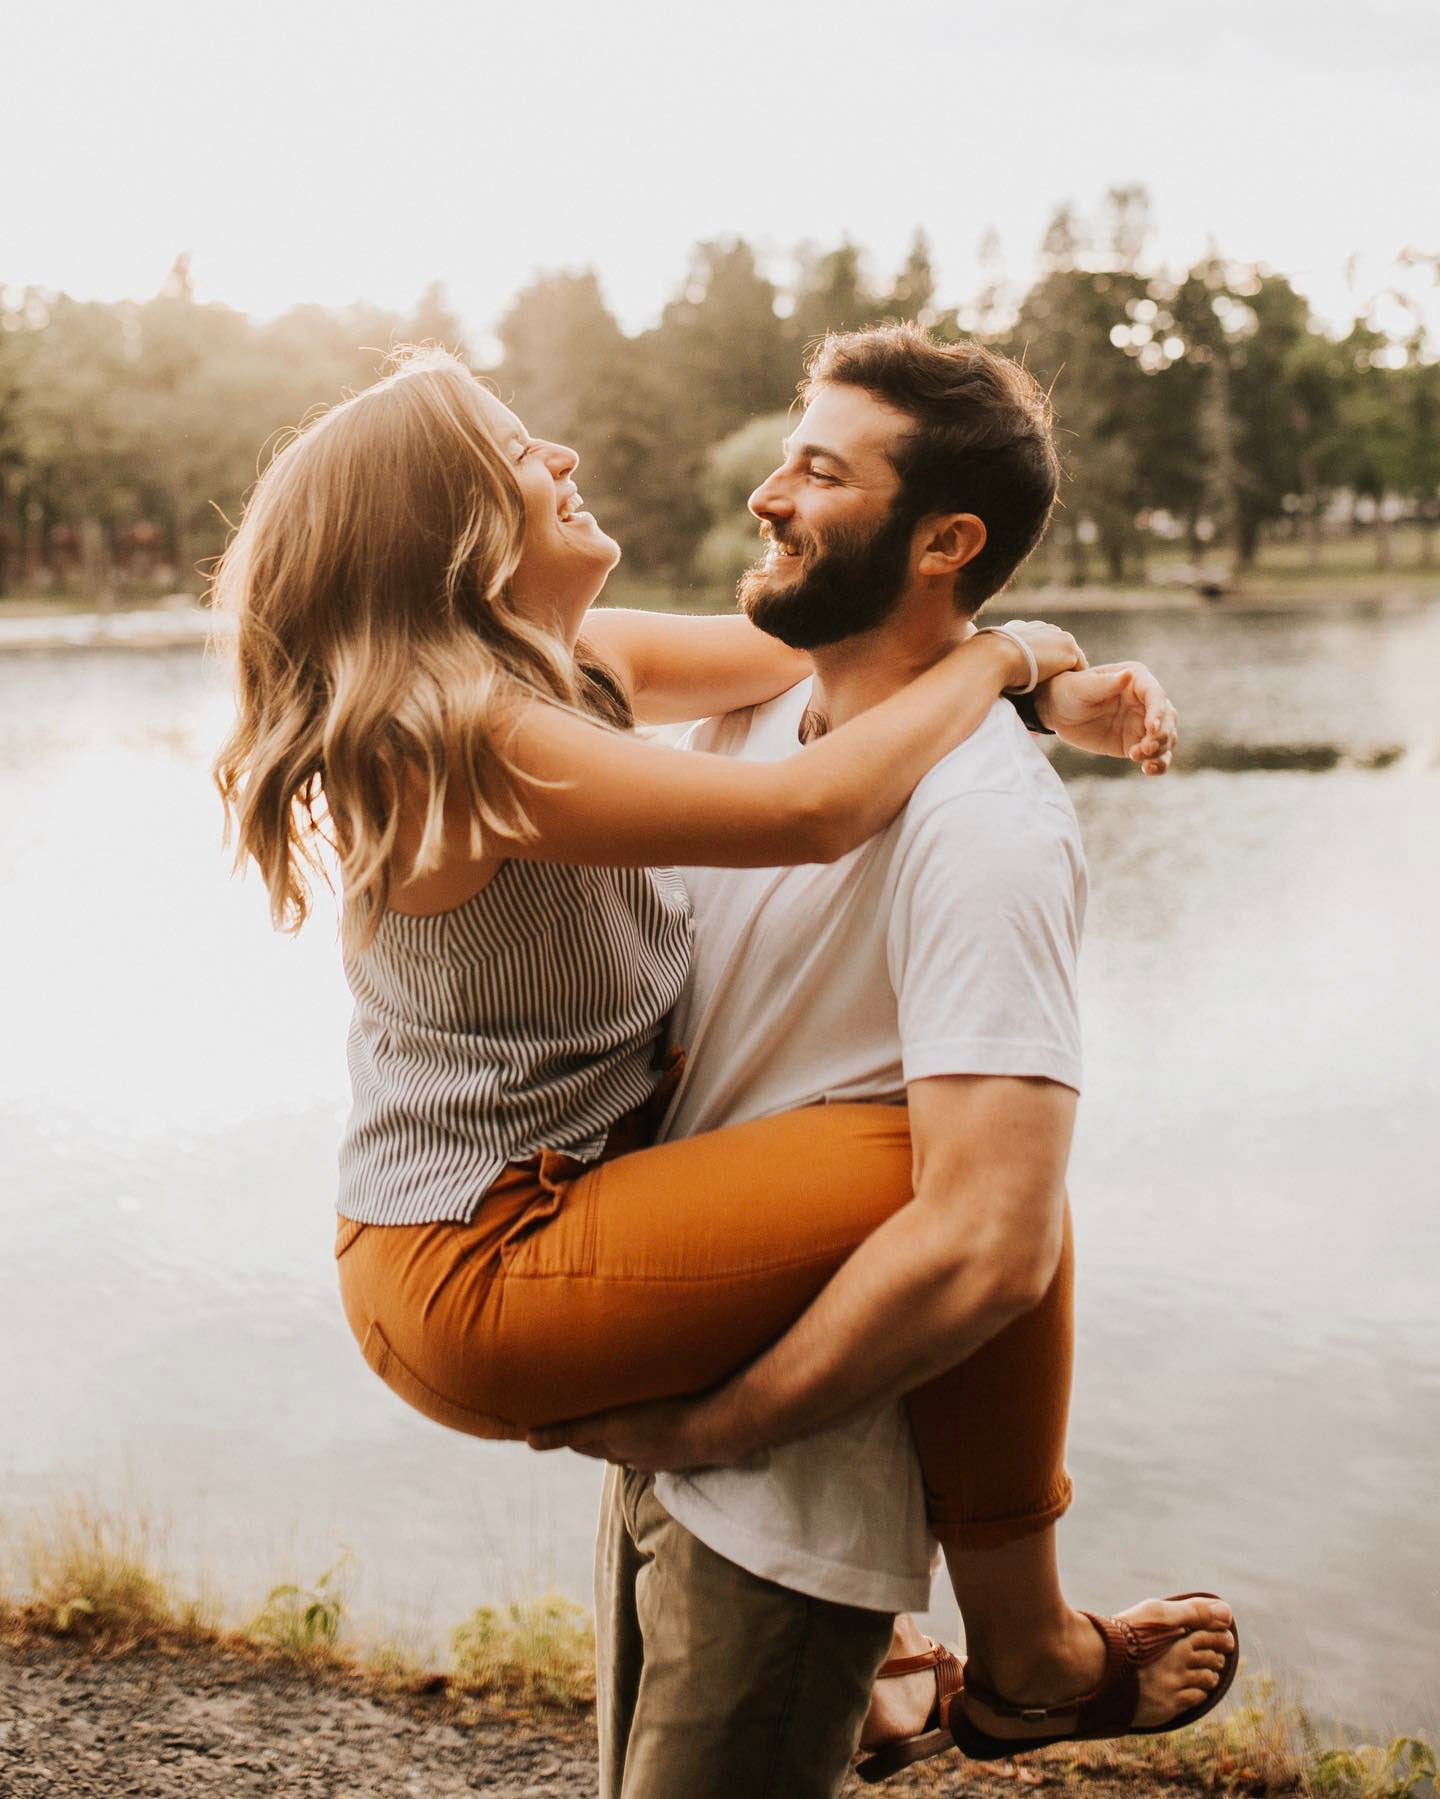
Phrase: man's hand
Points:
(1117, 709)
(659, 1435)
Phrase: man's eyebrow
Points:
(814, 452)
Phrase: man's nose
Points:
(769, 499)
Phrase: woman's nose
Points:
(561, 459)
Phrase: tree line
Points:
(1204, 410)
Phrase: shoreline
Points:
(110, 1684)
(32, 626)
(196, 1714)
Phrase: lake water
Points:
(1255, 1180)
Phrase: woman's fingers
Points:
(1055, 651)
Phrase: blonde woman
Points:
(411, 579)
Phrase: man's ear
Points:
(947, 541)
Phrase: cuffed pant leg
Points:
(745, 1687)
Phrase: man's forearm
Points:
(908, 1304)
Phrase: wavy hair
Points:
(379, 659)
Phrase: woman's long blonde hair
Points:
(378, 656)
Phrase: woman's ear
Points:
(949, 540)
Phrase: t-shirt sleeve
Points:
(984, 939)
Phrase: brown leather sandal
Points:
(889, 1758)
(1109, 1708)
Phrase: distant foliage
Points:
(1199, 411)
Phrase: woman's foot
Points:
(901, 1705)
(1069, 1667)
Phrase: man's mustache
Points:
(786, 540)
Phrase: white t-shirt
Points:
(947, 944)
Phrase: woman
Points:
(411, 579)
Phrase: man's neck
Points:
(858, 673)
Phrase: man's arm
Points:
(975, 1249)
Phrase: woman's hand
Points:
(1055, 651)
(1117, 709)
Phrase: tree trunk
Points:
(1076, 546)
(1056, 555)
(1219, 431)
(1311, 485)
(96, 572)
(1384, 547)
(180, 539)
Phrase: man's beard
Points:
(851, 586)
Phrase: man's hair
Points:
(982, 440)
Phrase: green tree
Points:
(1066, 335)
(1246, 329)
(721, 348)
(832, 293)
(433, 322)
(734, 468)
(913, 293)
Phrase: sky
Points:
(329, 152)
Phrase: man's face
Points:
(838, 555)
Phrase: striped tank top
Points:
(528, 1018)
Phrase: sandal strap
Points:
(899, 1665)
(949, 1672)
(1109, 1708)
(949, 1685)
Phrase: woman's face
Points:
(565, 557)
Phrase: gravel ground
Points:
(171, 1726)
(174, 1724)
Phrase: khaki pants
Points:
(713, 1683)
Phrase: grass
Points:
(303, 1623)
(93, 1581)
(1282, 572)
(92, 1578)
(540, 1650)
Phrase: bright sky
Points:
(329, 152)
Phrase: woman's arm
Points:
(1116, 709)
(614, 801)
(681, 668)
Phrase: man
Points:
(743, 1610)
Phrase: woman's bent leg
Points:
(991, 1431)
(660, 1272)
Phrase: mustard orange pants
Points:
(660, 1271)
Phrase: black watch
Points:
(1024, 704)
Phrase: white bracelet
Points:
(1020, 643)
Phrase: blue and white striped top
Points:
(528, 1018)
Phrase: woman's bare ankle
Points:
(1058, 1659)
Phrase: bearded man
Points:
(746, 1597)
